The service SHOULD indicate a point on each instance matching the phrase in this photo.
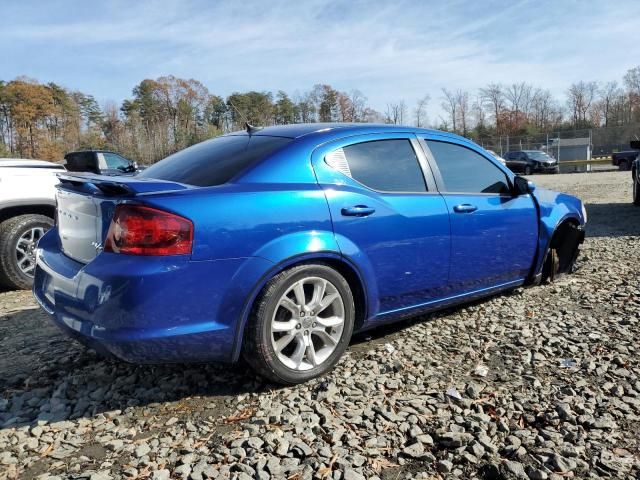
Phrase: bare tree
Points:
(610, 93)
(477, 108)
(396, 112)
(543, 109)
(456, 104)
(580, 97)
(518, 96)
(420, 111)
(632, 82)
(450, 105)
(462, 99)
(493, 96)
(358, 105)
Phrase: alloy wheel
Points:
(26, 250)
(307, 323)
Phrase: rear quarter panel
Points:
(272, 221)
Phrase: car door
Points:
(517, 161)
(494, 234)
(388, 217)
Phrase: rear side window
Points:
(466, 171)
(215, 161)
(81, 162)
(383, 165)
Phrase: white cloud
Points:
(388, 50)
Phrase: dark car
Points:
(102, 162)
(531, 161)
(278, 243)
(624, 160)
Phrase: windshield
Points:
(535, 155)
(215, 161)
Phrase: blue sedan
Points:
(279, 243)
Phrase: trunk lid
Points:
(85, 206)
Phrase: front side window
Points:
(383, 165)
(466, 171)
(116, 162)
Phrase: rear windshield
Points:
(215, 161)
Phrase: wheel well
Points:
(352, 278)
(10, 212)
(565, 241)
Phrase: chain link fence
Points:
(576, 150)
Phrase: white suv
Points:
(27, 210)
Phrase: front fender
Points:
(555, 208)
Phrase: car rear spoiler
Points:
(116, 186)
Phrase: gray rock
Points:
(255, 443)
(142, 450)
(515, 468)
(415, 451)
(455, 439)
(350, 474)
(537, 474)
(101, 475)
(562, 464)
(444, 466)
(163, 474)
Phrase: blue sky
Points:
(390, 50)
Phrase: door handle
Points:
(465, 208)
(357, 211)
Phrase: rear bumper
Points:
(140, 309)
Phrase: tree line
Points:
(167, 114)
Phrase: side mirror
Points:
(522, 186)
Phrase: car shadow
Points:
(46, 376)
(49, 377)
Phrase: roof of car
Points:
(91, 151)
(25, 162)
(301, 129)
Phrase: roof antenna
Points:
(251, 129)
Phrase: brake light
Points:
(139, 230)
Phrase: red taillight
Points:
(139, 230)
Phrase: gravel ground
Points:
(538, 383)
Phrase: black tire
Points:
(10, 232)
(551, 266)
(636, 189)
(258, 350)
(623, 165)
(527, 170)
(562, 254)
